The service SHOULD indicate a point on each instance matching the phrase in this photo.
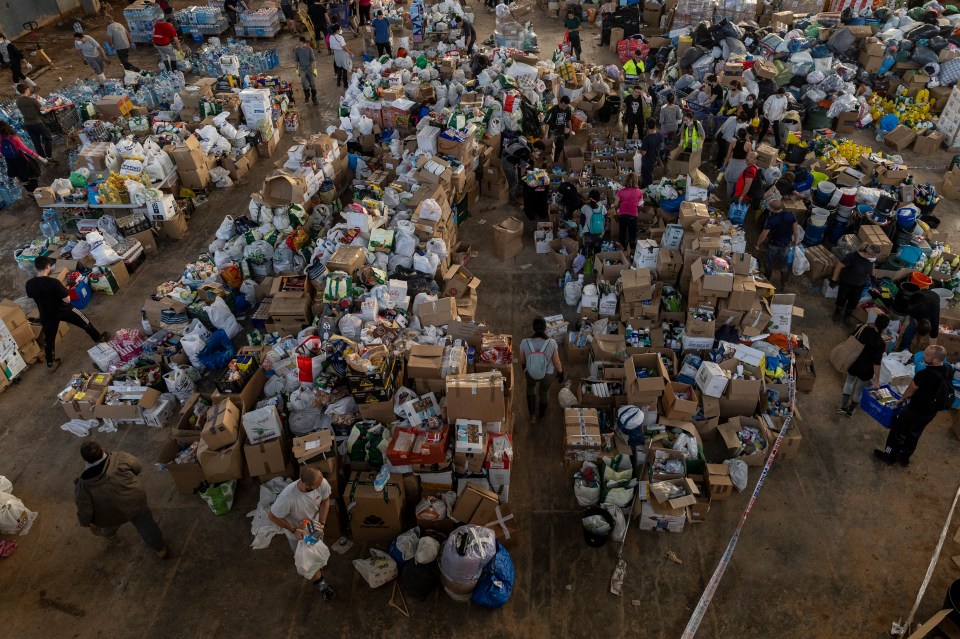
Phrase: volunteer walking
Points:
(93, 54)
(540, 358)
(109, 494)
(306, 69)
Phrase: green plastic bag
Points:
(77, 180)
(422, 62)
(220, 496)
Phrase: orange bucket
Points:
(920, 279)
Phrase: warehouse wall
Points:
(13, 13)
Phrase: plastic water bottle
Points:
(53, 220)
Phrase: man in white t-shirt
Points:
(305, 499)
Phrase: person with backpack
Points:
(930, 392)
(22, 162)
(593, 223)
(540, 358)
(866, 368)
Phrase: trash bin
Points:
(594, 533)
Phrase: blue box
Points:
(881, 413)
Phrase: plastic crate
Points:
(883, 414)
(80, 294)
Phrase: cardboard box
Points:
(646, 388)
(375, 516)
(782, 312)
(315, 446)
(661, 492)
(582, 429)
(711, 379)
(900, 138)
(480, 396)
(221, 465)
(660, 517)
(111, 107)
(735, 448)
(438, 313)
(719, 485)
(675, 407)
(262, 425)
(223, 425)
(458, 282)
(135, 400)
(928, 142)
(475, 505)
(425, 362)
(186, 477)
(266, 458)
(718, 283)
(81, 404)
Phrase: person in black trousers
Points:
(633, 112)
(39, 132)
(921, 407)
(53, 302)
(558, 120)
(851, 274)
(924, 304)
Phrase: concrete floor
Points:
(836, 545)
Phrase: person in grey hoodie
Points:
(670, 117)
(109, 494)
(306, 69)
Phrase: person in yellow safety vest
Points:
(691, 133)
(634, 67)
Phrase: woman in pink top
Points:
(22, 163)
(628, 203)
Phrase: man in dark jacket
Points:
(921, 407)
(109, 494)
(923, 304)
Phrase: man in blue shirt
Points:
(381, 34)
(783, 231)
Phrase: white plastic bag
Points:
(800, 262)
(222, 317)
(738, 473)
(179, 383)
(227, 228)
(15, 518)
(311, 558)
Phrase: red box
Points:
(415, 446)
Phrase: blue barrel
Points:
(813, 235)
(838, 230)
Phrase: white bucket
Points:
(945, 296)
(818, 217)
(844, 212)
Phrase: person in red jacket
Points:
(165, 39)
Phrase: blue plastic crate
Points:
(881, 413)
